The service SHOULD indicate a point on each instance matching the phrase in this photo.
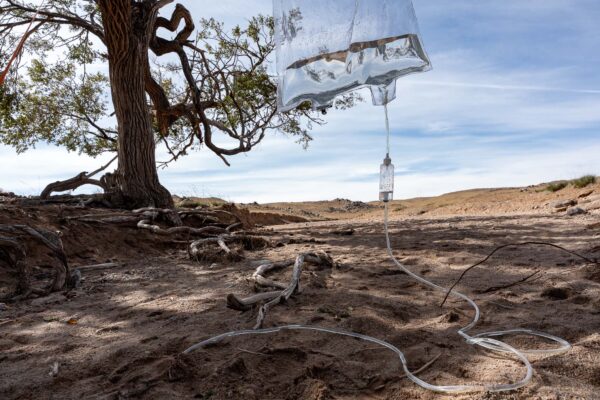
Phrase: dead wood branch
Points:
(83, 178)
(426, 365)
(274, 298)
(284, 295)
(496, 288)
(244, 304)
(260, 279)
(497, 249)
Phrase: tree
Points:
(213, 92)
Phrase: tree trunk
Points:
(128, 28)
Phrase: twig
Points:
(589, 260)
(427, 365)
(103, 167)
(495, 288)
(416, 372)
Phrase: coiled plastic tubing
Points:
(486, 339)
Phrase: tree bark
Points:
(128, 30)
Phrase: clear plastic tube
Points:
(414, 378)
(485, 339)
(564, 345)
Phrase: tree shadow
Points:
(131, 323)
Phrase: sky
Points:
(513, 99)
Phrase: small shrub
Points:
(584, 181)
(555, 187)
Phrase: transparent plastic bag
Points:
(329, 47)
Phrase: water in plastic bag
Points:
(328, 47)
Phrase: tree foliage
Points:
(213, 90)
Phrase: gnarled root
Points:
(14, 253)
(273, 298)
(83, 178)
(208, 222)
(218, 249)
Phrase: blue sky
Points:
(513, 99)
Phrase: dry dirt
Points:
(120, 335)
(504, 201)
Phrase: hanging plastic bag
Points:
(329, 47)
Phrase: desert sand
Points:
(121, 334)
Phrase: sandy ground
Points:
(129, 324)
(529, 200)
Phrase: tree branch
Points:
(80, 179)
(61, 18)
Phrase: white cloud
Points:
(474, 121)
(30, 172)
(462, 95)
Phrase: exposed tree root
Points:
(106, 219)
(78, 200)
(83, 178)
(244, 304)
(207, 230)
(14, 253)
(148, 218)
(260, 280)
(217, 249)
(216, 235)
(274, 298)
(216, 228)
